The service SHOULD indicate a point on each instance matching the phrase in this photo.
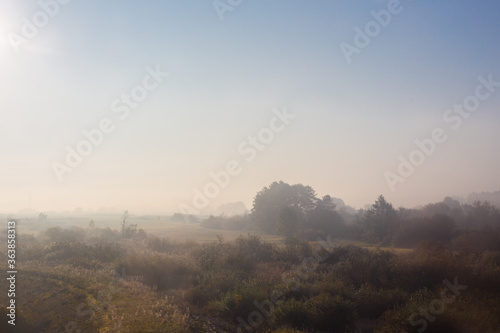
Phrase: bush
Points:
(160, 244)
(58, 234)
(158, 270)
(81, 254)
(240, 302)
(372, 302)
(359, 266)
(330, 313)
(427, 266)
(291, 313)
(210, 286)
(476, 242)
(252, 245)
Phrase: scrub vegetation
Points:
(330, 269)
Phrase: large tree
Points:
(270, 202)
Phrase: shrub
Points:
(330, 313)
(360, 266)
(81, 254)
(291, 313)
(240, 302)
(158, 270)
(476, 242)
(160, 244)
(427, 266)
(210, 286)
(372, 302)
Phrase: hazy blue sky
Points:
(352, 119)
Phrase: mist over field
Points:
(250, 166)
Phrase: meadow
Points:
(185, 278)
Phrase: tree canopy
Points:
(285, 209)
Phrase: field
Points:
(177, 277)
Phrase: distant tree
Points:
(269, 202)
(436, 208)
(325, 218)
(412, 232)
(482, 214)
(188, 218)
(379, 221)
(42, 216)
(452, 203)
(214, 222)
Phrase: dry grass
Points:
(179, 231)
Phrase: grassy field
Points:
(185, 278)
(180, 231)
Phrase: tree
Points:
(288, 221)
(325, 218)
(269, 202)
(481, 214)
(379, 221)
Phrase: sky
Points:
(165, 106)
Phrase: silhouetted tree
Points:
(325, 218)
(482, 214)
(271, 200)
(379, 221)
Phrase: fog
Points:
(139, 107)
(250, 166)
